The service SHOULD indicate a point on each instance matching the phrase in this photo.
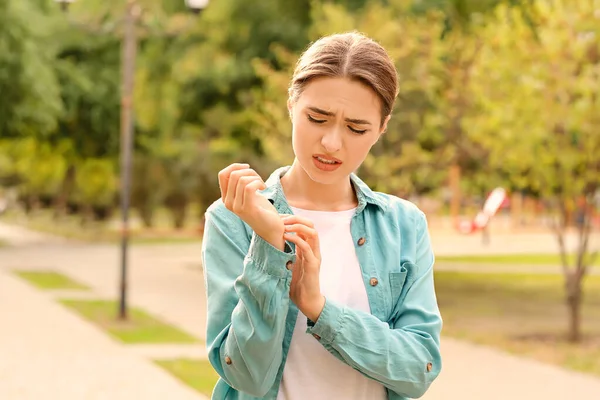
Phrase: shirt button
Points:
(316, 336)
(373, 281)
(429, 366)
(228, 360)
(288, 265)
(361, 241)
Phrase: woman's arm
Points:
(404, 357)
(247, 287)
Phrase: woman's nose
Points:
(332, 140)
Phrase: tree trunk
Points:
(572, 277)
(86, 216)
(573, 288)
(179, 215)
(146, 211)
(60, 203)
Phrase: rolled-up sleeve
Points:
(247, 288)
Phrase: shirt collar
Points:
(274, 190)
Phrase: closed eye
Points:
(359, 131)
(316, 121)
(321, 121)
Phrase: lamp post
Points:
(128, 58)
(196, 5)
(64, 4)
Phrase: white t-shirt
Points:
(311, 372)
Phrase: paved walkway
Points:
(49, 353)
(76, 361)
(473, 372)
(18, 236)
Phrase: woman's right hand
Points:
(239, 185)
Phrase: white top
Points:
(311, 372)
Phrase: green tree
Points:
(539, 110)
(30, 103)
(95, 185)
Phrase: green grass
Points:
(198, 374)
(50, 280)
(139, 328)
(521, 313)
(529, 259)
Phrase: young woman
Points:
(318, 287)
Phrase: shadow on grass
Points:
(198, 374)
(140, 327)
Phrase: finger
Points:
(296, 219)
(224, 176)
(301, 244)
(232, 185)
(249, 190)
(297, 272)
(308, 234)
(304, 231)
(315, 245)
(243, 183)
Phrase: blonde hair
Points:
(350, 55)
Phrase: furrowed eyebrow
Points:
(321, 111)
(331, 114)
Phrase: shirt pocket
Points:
(397, 289)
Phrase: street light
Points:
(64, 4)
(128, 57)
(196, 5)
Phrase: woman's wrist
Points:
(274, 239)
(313, 312)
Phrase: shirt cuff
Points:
(269, 258)
(329, 323)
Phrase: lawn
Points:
(521, 313)
(140, 328)
(50, 280)
(523, 259)
(198, 374)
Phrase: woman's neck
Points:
(302, 192)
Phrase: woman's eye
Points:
(360, 132)
(316, 121)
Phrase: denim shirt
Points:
(251, 319)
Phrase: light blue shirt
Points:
(251, 319)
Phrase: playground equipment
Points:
(490, 208)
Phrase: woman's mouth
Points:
(325, 163)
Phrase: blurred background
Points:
(116, 116)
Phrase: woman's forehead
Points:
(341, 95)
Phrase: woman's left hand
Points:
(305, 289)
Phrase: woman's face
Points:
(335, 121)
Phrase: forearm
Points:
(246, 315)
(249, 352)
(405, 360)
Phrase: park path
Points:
(166, 280)
(49, 353)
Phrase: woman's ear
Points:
(384, 125)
